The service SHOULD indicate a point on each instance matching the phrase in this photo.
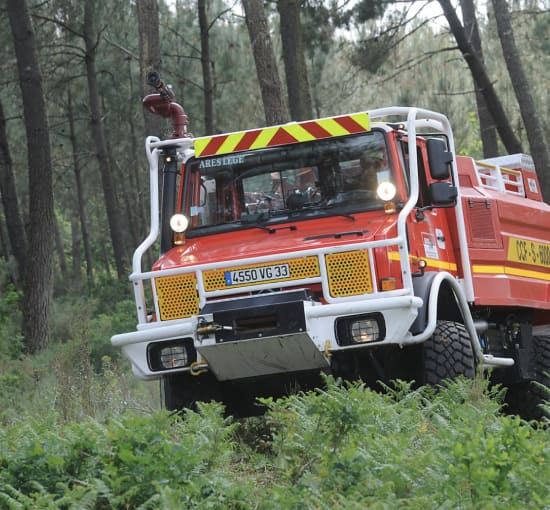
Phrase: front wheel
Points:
(447, 354)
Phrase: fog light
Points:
(360, 329)
(174, 356)
(365, 330)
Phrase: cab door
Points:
(429, 233)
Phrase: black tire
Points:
(527, 398)
(183, 391)
(447, 354)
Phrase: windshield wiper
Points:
(255, 217)
(272, 230)
(253, 220)
(338, 235)
(332, 206)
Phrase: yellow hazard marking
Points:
(298, 132)
(512, 271)
(230, 143)
(332, 127)
(264, 137)
(200, 144)
(362, 119)
(440, 264)
(528, 252)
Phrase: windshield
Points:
(290, 183)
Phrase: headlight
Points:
(386, 191)
(179, 223)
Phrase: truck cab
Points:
(344, 245)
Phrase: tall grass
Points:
(80, 375)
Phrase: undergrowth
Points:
(78, 431)
(342, 447)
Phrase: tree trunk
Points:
(39, 262)
(60, 250)
(481, 79)
(149, 56)
(299, 97)
(5, 251)
(275, 108)
(98, 132)
(8, 193)
(522, 89)
(486, 124)
(81, 210)
(208, 89)
(76, 235)
(134, 166)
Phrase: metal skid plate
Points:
(263, 356)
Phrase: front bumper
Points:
(274, 333)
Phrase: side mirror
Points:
(439, 158)
(443, 194)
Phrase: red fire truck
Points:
(358, 245)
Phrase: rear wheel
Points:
(447, 354)
(528, 398)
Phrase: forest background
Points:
(73, 174)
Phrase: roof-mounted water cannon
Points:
(162, 103)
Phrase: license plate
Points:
(257, 274)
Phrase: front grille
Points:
(177, 296)
(348, 273)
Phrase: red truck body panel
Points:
(509, 242)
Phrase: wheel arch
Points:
(442, 299)
(448, 307)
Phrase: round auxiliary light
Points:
(179, 223)
(386, 190)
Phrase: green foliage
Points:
(153, 461)
(472, 145)
(11, 342)
(81, 375)
(342, 447)
(352, 448)
(61, 385)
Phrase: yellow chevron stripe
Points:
(298, 132)
(230, 143)
(200, 144)
(362, 119)
(512, 271)
(264, 137)
(332, 127)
